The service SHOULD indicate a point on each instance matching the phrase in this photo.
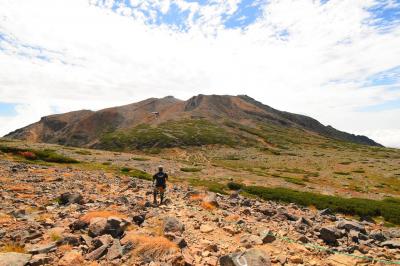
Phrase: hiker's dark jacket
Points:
(161, 179)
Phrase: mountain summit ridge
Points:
(86, 127)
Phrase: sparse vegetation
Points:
(190, 169)
(170, 134)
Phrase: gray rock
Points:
(325, 212)
(69, 239)
(14, 259)
(70, 198)
(251, 257)
(171, 224)
(97, 226)
(115, 226)
(78, 225)
(350, 225)
(250, 240)
(21, 213)
(40, 259)
(43, 249)
(115, 251)
(304, 221)
(97, 253)
(377, 236)
(330, 234)
(395, 244)
(104, 240)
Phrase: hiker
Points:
(160, 184)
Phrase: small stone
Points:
(267, 237)
(206, 228)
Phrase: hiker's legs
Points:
(162, 189)
(161, 196)
(155, 195)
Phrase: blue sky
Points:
(7, 109)
(326, 59)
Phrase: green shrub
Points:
(234, 186)
(125, 169)
(190, 169)
(388, 208)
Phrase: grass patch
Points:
(46, 155)
(190, 169)
(136, 173)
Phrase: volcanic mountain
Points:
(170, 122)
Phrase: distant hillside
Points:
(169, 122)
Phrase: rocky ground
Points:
(65, 216)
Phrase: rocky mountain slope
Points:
(169, 122)
(64, 215)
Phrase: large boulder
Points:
(97, 226)
(14, 259)
(351, 225)
(113, 226)
(391, 244)
(70, 198)
(250, 257)
(171, 224)
(330, 234)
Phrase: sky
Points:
(335, 60)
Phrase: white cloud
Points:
(300, 56)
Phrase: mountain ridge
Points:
(87, 128)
